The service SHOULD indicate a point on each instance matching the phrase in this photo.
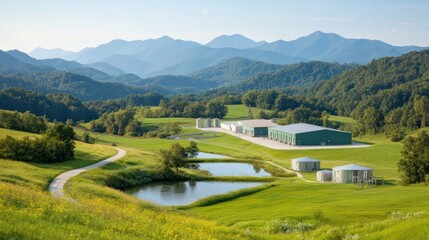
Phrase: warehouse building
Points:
(232, 126)
(351, 174)
(305, 164)
(303, 134)
(257, 127)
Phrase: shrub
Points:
(396, 137)
(55, 145)
(289, 226)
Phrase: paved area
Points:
(57, 185)
(277, 145)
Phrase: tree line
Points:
(55, 145)
(26, 121)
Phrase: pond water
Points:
(233, 169)
(210, 155)
(182, 193)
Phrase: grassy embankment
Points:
(301, 201)
(347, 210)
(29, 212)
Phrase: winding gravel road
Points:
(57, 185)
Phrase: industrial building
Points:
(351, 174)
(257, 127)
(324, 176)
(303, 134)
(232, 126)
(305, 164)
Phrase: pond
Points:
(182, 193)
(233, 169)
(210, 155)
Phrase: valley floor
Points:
(319, 211)
(265, 142)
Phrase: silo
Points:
(216, 122)
(199, 123)
(305, 164)
(324, 176)
(208, 122)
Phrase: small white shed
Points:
(305, 164)
(324, 176)
(351, 174)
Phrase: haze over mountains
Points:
(169, 66)
(164, 56)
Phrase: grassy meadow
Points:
(319, 211)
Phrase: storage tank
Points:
(351, 174)
(199, 123)
(216, 122)
(208, 122)
(324, 176)
(305, 164)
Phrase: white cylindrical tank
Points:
(208, 122)
(324, 176)
(216, 122)
(199, 123)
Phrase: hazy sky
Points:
(75, 24)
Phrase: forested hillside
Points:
(394, 89)
(235, 70)
(63, 82)
(300, 74)
(176, 84)
(57, 106)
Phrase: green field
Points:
(336, 211)
(237, 112)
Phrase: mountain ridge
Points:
(168, 56)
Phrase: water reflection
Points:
(233, 169)
(182, 193)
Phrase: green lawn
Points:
(348, 209)
(39, 175)
(237, 112)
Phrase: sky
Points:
(75, 24)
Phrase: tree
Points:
(216, 109)
(266, 99)
(249, 113)
(421, 106)
(192, 150)
(371, 121)
(263, 115)
(174, 158)
(55, 145)
(325, 118)
(249, 98)
(62, 133)
(414, 166)
(283, 102)
(195, 110)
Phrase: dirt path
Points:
(299, 175)
(57, 185)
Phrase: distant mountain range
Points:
(167, 56)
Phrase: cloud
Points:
(204, 12)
